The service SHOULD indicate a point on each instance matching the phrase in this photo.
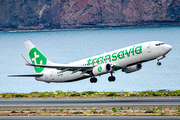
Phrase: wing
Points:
(63, 68)
(33, 75)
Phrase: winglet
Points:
(24, 60)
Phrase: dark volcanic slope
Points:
(58, 14)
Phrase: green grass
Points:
(58, 94)
(114, 109)
(61, 110)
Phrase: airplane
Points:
(128, 59)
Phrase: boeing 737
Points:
(127, 59)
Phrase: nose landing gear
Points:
(158, 63)
(159, 58)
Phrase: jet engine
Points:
(132, 68)
(101, 69)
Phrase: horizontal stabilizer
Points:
(24, 60)
(33, 75)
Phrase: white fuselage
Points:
(123, 58)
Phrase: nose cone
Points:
(167, 48)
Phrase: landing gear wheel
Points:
(93, 80)
(158, 63)
(111, 79)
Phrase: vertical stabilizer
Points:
(37, 57)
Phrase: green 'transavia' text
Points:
(114, 56)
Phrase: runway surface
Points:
(93, 118)
(88, 102)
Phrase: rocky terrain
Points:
(74, 14)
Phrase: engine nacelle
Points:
(132, 68)
(101, 69)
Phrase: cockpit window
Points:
(159, 44)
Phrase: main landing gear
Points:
(93, 80)
(111, 78)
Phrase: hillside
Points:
(72, 14)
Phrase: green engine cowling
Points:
(101, 69)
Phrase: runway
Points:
(88, 102)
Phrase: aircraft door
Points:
(148, 47)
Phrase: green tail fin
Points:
(36, 56)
